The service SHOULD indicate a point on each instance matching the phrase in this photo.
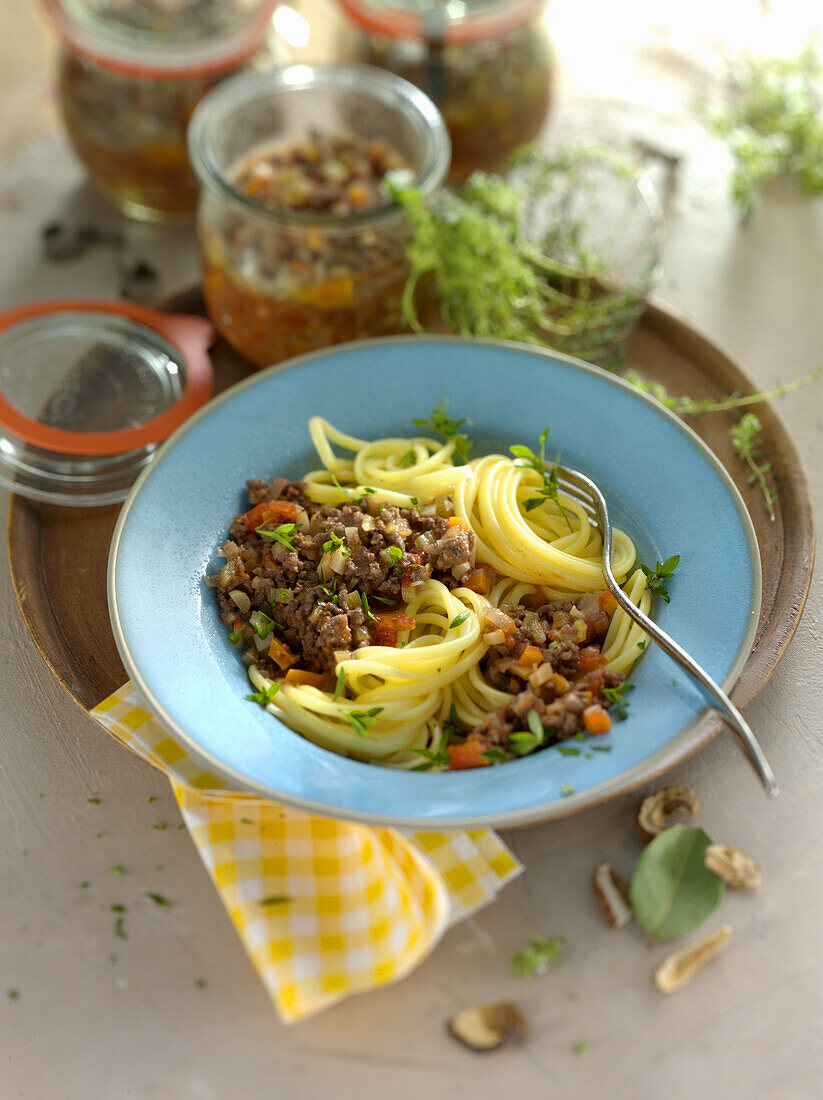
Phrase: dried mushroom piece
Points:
(488, 1027)
(612, 894)
(738, 870)
(655, 809)
(678, 969)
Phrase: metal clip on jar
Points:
(487, 64)
(130, 75)
(286, 269)
(88, 390)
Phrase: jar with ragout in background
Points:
(300, 244)
(487, 64)
(131, 73)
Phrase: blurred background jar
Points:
(487, 64)
(300, 245)
(131, 73)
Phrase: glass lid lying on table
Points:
(89, 390)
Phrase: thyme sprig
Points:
(525, 456)
(745, 440)
(442, 424)
(661, 572)
(688, 406)
(538, 956)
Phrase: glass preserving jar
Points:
(487, 64)
(131, 72)
(300, 246)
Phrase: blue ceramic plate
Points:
(663, 486)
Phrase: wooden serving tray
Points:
(58, 556)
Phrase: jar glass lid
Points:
(162, 37)
(452, 21)
(87, 392)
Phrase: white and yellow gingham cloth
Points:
(324, 907)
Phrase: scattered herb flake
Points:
(246, 821)
(409, 458)
(568, 750)
(119, 929)
(264, 697)
(601, 748)
(13, 994)
(338, 486)
(364, 603)
(158, 899)
(200, 983)
(617, 697)
(237, 636)
(340, 685)
(642, 645)
(118, 908)
(152, 798)
(159, 825)
(360, 720)
(395, 554)
(458, 620)
(117, 869)
(440, 755)
(84, 885)
(581, 1046)
(495, 756)
(567, 789)
(275, 899)
(94, 801)
(538, 956)
(282, 534)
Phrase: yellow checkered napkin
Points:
(324, 907)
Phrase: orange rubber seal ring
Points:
(400, 24)
(191, 336)
(250, 39)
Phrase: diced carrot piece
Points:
(607, 602)
(589, 659)
(530, 657)
(596, 719)
(458, 521)
(268, 512)
(480, 580)
(304, 677)
(561, 684)
(281, 654)
(467, 755)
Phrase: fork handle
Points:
(733, 718)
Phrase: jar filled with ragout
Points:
(301, 246)
(487, 64)
(131, 73)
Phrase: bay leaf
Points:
(672, 891)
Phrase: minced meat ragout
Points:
(304, 581)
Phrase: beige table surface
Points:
(87, 1025)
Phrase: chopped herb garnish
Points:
(282, 534)
(567, 789)
(85, 885)
(409, 458)
(383, 599)
(158, 825)
(440, 755)
(568, 750)
(364, 602)
(360, 720)
(264, 625)
(152, 798)
(642, 645)
(525, 456)
(117, 869)
(617, 696)
(119, 929)
(395, 554)
(553, 645)
(281, 595)
(445, 425)
(334, 542)
(246, 821)
(525, 742)
(275, 899)
(94, 801)
(118, 909)
(495, 756)
(458, 620)
(368, 490)
(415, 501)
(582, 1046)
(13, 994)
(601, 748)
(200, 983)
(340, 686)
(337, 485)
(101, 833)
(266, 696)
(538, 956)
(158, 899)
(236, 636)
(580, 736)
(662, 571)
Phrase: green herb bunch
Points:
(514, 258)
(773, 124)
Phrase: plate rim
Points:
(693, 737)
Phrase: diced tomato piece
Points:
(388, 625)
(270, 511)
(596, 719)
(589, 659)
(304, 677)
(468, 754)
(530, 657)
(281, 654)
(607, 602)
(481, 579)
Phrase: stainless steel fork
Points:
(586, 493)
